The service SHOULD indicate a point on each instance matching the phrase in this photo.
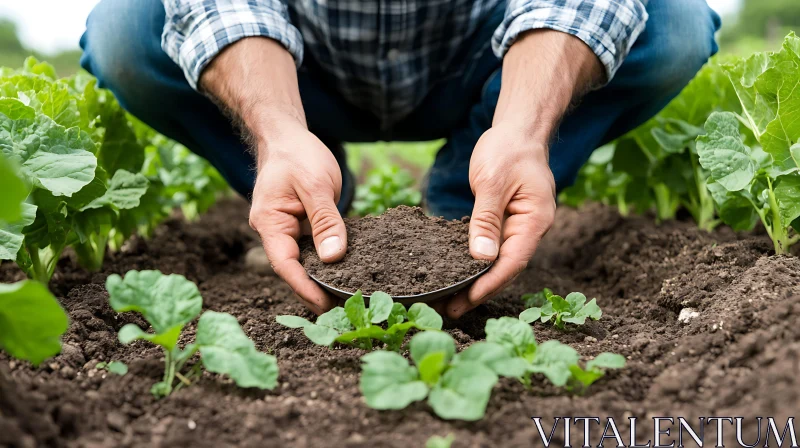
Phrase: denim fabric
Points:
(122, 48)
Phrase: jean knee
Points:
(683, 41)
(122, 45)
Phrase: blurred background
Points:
(50, 30)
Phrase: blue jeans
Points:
(122, 48)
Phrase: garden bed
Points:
(738, 357)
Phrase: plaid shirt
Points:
(385, 55)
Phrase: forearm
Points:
(543, 72)
(255, 79)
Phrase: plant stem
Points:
(169, 371)
(704, 203)
(621, 204)
(666, 205)
(92, 252)
(780, 237)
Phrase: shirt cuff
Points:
(194, 34)
(610, 31)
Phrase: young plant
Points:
(115, 367)
(356, 325)
(168, 303)
(385, 188)
(31, 321)
(573, 309)
(748, 182)
(511, 350)
(456, 388)
(73, 147)
(440, 442)
(596, 368)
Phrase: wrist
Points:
(544, 71)
(235, 80)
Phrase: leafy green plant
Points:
(455, 388)
(115, 367)
(355, 324)
(759, 180)
(73, 147)
(573, 310)
(31, 321)
(385, 188)
(511, 350)
(656, 166)
(168, 303)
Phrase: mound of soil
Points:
(737, 357)
(401, 252)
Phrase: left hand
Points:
(515, 204)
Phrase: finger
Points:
(327, 226)
(283, 253)
(486, 223)
(523, 231)
(279, 231)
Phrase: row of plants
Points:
(456, 385)
(727, 149)
(91, 174)
(77, 171)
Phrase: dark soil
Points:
(739, 357)
(401, 252)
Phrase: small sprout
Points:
(115, 367)
(457, 388)
(573, 309)
(355, 324)
(519, 356)
(595, 369)
(168, 302)
(383, 189)
(440, 442)
(536, 300)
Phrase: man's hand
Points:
(513, 185)
(290, 189)
(298, 177)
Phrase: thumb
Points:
(327, 228)
(486, 225)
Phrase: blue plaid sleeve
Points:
(608, 27)
(197, 30)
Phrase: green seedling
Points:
(115, 367)
(521, 355)
(456, 387)
(596, 368)
(357, 325)
(168, 303)
(573, 310)
(385, 188)
(31, 321)
(440, 442)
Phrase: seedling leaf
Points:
(227, 350)
(168, 302)
(512, 333)
(428, 342)
(380, 306)
(31, 321)
(463, 392)
(553, 360)
(389, 382)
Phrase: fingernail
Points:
(484, 246)
(330, 247)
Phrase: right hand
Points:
(298, 179)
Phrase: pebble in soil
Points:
(401, 252)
